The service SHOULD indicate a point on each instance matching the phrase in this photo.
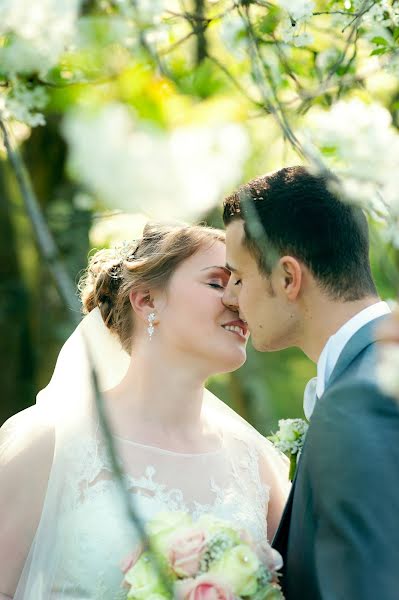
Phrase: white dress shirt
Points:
(332, 351)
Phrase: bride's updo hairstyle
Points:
(138, 265)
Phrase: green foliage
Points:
(236, 63)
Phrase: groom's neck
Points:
(322, 317)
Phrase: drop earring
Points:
(151, 328)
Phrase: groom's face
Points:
(258, 298)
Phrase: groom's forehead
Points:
(236, 251)
(235, 233)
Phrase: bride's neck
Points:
(160, 390)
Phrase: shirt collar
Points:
(337, 342)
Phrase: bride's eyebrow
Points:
(217, 267)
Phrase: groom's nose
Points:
(229, 298)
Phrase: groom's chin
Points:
(264, 345)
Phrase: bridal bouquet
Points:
(205, 560)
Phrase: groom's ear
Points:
(291, 275)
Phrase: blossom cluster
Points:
(357, 141)
(293, 28)
(382, 12)
(135, 168)
(23, 103)
(35, 34)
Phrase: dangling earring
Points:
(151, 328)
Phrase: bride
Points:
(156, 329)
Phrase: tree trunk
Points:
(16, 352)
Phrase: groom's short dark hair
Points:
(300, 216)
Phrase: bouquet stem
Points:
(293, 462)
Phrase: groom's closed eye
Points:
(234, 272)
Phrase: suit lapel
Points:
(280, 540)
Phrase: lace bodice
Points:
(94, 531)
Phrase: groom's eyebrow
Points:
(230, 268)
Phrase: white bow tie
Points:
(310, 397)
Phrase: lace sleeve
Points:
(26, 453)
(274, 469)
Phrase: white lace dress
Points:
(93, 530)
(66, 523)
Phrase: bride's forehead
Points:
(207, 257)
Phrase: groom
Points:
(300, 276)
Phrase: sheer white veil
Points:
(65, 417)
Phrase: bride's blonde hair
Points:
(140, 264)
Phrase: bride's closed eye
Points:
(217, 286)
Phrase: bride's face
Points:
(192, 319)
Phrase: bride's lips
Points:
(238, 327)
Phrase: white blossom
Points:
(295, 34)
(23, 103)
(37, 33)
(388, 370)
(176, 174)
(109, 230)
(383, 12)
(299, 10)
(147, 11)
(357, 141)
(293, 28)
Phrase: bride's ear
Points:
(142, 303)
(291, 275)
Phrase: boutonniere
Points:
(289, 439)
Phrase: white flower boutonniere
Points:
(289, 439)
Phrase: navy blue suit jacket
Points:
(339, 534)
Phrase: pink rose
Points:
(185, 552)
(131, 560)
(203, 588)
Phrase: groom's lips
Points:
(238, 323)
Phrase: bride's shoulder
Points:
(27, 438)
(240, 436)
(236, 429)
(26, 456)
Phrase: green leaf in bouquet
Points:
(217, 546)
